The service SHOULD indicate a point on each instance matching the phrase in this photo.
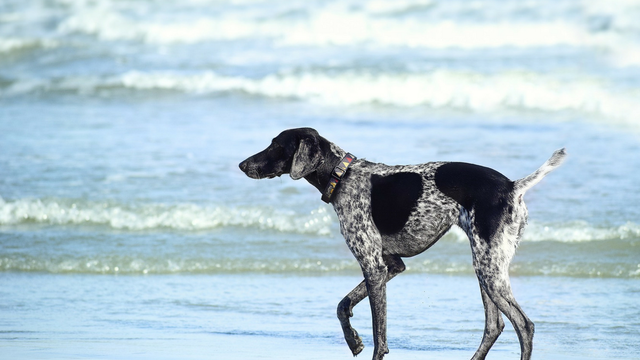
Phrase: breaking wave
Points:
(328, 27)
(294, 242)
(439, 89)
(191, 217)
(412, 24)
(184, 217)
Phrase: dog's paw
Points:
(358, 349)
(355, 343)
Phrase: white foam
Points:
(511, 90)
(187, 217)
(109, 24)
(570, 232)
(330, 28)
(405, 23)
(10, 44)
(580, 231)
(374, 23)
(439, 89)
(191, 217)
(332, 23)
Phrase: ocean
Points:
(127, 230)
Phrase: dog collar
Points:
(336, 175)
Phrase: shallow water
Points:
(127, 230)
(283, 316)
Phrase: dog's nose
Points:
(243, 166)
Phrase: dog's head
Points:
(295, 152)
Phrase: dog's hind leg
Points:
(493, 326)
(491, 261)
(499, 291)
(345, 307)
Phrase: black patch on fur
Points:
(393, 198)
(477, 187)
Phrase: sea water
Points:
(128, 231)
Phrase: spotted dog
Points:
(390, 212)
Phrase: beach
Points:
(127, 230)
(287, 317)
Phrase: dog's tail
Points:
(521, 186)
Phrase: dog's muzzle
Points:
(252, 171)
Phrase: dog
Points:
(390, 212)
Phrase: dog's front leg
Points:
(353, 208)
(366, 246)
(345, 309)
(375, 278)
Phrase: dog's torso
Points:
(402, 202)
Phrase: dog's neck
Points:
(332, 156)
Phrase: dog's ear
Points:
(306, 159)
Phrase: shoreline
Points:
(58, 316)
(225, 346)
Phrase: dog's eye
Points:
(275, 147)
